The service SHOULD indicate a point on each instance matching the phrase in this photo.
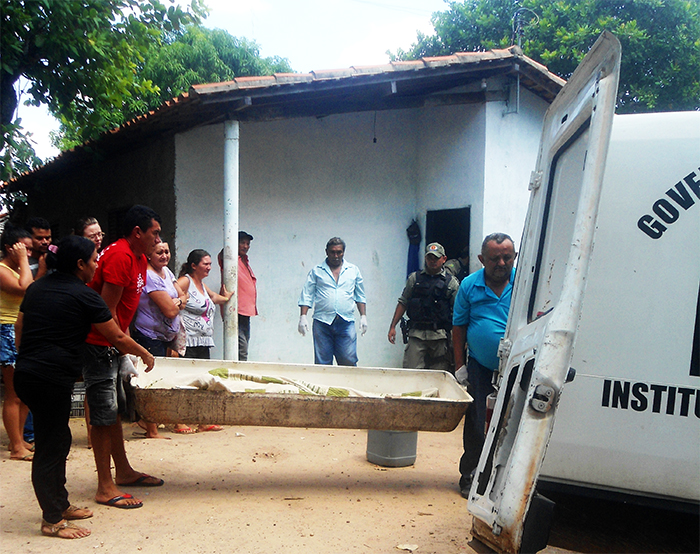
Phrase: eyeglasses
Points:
(95, 236)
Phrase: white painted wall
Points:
(302, 182)
(512, 142)
(451, 170)
(306, 180)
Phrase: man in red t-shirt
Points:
(247, 294)
(119, 279)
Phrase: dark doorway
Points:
(450, 228)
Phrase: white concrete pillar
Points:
(231, 196)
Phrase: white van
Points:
(617, 366)
(630, 421)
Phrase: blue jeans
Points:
(8, 354)
(154, 346)
(338, 339)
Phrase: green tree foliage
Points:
(17, 155)
(192, 56)
(98, 63)
(660, 41)
(80, 55)
(201, 55)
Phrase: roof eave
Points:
(396, 85)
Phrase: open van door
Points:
(537, 348)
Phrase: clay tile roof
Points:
(372, 69)
(394, 85)
(283, 78)
(408, 64)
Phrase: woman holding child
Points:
(157, 322)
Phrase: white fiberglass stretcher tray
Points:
(181, 390)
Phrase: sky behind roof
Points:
(311, 34)
(326, 34)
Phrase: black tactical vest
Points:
(429, 307)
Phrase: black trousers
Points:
(51, 405)
(475, 418)
(243, 337)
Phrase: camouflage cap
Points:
(435, 249)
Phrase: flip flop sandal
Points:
(27, 458)
(210, 428)
(184, 431)
(54, 529)
(73, 512)
(112, 502)
(142, 482)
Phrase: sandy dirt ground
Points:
(285, 490)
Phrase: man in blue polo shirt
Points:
(479, 321)
(334, 288)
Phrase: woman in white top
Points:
(198, 314)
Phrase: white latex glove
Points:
(462, 376)
(303, 325)
(127, 366)
(363, 325)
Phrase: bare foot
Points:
(157, 435)
(25, 444)
(63, 530)
(151, 430)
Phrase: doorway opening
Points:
(450, 228)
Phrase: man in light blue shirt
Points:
(333, 288)
(479, 321)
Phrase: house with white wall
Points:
(358, 153)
